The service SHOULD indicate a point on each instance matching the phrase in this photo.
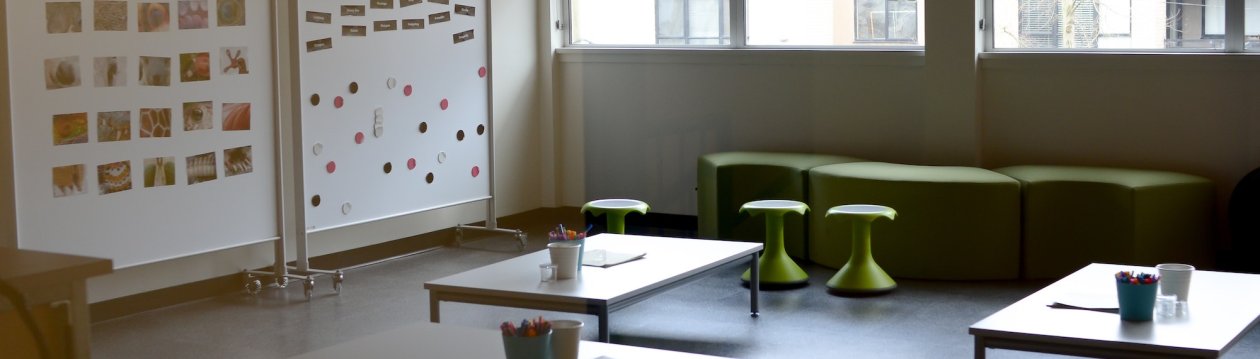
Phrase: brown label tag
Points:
(406, 3)
(318, 17)
(439, 17)
(465, 10)
(321, 44)
(443, 2)
(463, 36)
(385, 25)
(353, 30)
(353, 10)
(413, 24)
(382, 4)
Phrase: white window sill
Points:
(760, 56)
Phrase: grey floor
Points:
(921, 319)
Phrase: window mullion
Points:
(1235, 27)
(739, 24)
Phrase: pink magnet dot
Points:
(331, 167)
(411, 164)
(358, 138)
(407, 90)
(338, 102)
(445, 104)
(481, 72)
(476, 171)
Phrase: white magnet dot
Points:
(390, 83)
(380, 112)
(441, 157)
(345, 208)
(318, 148)
(378, 131)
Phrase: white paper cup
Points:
(565, 257)
(1174, 279)
(564, 338)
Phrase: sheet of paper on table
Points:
(608, 259)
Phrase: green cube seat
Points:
(1074, 216)
(728, 180)
(957, 223)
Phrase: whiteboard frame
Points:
(297, 204)
(11, 206)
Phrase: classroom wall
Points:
(645, 115)
(517, 182)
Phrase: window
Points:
(1189, 25)
(886, 20)
(1251, 13)
(778, 23)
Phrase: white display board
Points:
(395, 107)
(143, 130)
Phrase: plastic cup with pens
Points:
(1136, 294)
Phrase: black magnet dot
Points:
(424, 127)
(315, 100)
(315, 201)
(481, 129)
(428, 178)
(389, 167)
(459, 135)
(354, 87)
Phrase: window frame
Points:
(1235, 39)
(887, 24)
(738, 20)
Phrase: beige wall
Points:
(517, 181)
(643, 116)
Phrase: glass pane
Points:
(622, 22)
(1252, 13)
(649, 22)
(669, 19)
(1108, 24)
(835, 22)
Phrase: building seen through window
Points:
(1116, 24)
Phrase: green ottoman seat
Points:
(957, 223)
(727, 180)
(774, 267)
(615, 211)
(1074, 216)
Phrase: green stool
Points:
(615, 211)
(775, 267)
(861, 276)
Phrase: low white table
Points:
(435, 341)
(1222, 307)
(669, 262)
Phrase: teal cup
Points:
(536, 347)
(1137, 301)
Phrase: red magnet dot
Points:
(407, 90)
(482, 71)
(331, 167)
(338, 102)
(411, 163)
(358, 138)
(476, 171)
(445, 104)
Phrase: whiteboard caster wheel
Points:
(282, 281)
(337, 279)
(253, 286)
(308, 287)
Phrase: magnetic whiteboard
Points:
(143, 130)
(395, 107)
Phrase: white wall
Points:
(517, 181)
(643, 116)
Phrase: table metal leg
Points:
(434, 308)
(603, 325)
(754, 285)
(979, 347)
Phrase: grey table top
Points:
(1223, 306)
